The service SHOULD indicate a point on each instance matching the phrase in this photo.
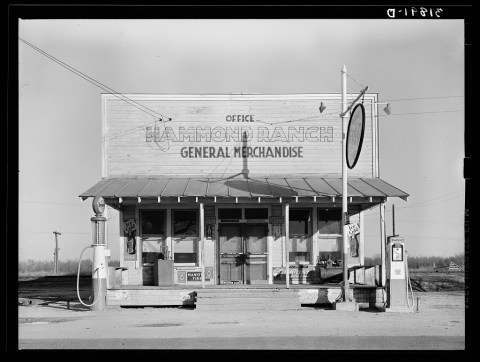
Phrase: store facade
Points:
(212, 183)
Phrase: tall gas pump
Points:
(398, 280)
(99, 267)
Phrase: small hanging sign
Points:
(129, 233)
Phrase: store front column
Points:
(285, 244)
(202, 243)
(361, 246)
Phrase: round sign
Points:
(98, 204)
(356, 130)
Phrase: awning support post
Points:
(285, 244)
(361, 246)
(202, 243)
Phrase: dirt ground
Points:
(439, 324)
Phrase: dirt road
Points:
(439, 324)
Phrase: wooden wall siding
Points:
(276, 251)
(127, 152)
(210, 255)
(325, 244)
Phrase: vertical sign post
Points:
(346, 286)
(354, 140)
(56, 251)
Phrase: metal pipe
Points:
(345, 111)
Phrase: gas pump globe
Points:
(98, 205)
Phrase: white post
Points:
(285, 248)
(382, 245)
(202, 241)
(346, 291)
(361, 246)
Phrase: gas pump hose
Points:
(78, 280)
(408, 284)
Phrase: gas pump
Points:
(398, 280)
(99, 267)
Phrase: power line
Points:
(361, 85)
(431, 204)
(412, 99)
(122, 97)
(402, 114)
(424, 204)
(434, 200)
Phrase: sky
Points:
(415, 65)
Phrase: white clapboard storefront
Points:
(206, 181)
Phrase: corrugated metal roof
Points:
(241, 187)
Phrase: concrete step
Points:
(243, 301)
(247, 293)
(221, 307)
(247, 299)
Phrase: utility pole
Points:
(56, 250)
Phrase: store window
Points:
(330, 237)
(185, 236)
(256, 213)
(230, 214)
(300, 245)
(153, 236)
(329, 221)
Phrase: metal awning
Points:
(288, 187)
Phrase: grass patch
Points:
(427, 281)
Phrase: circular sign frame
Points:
(355, 133)
(98, 205)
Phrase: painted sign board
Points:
(194, 276)
(181, 276)
(208, 273)
(276, 219)
(130, 245)
(224, 134)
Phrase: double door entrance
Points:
(243, 253)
